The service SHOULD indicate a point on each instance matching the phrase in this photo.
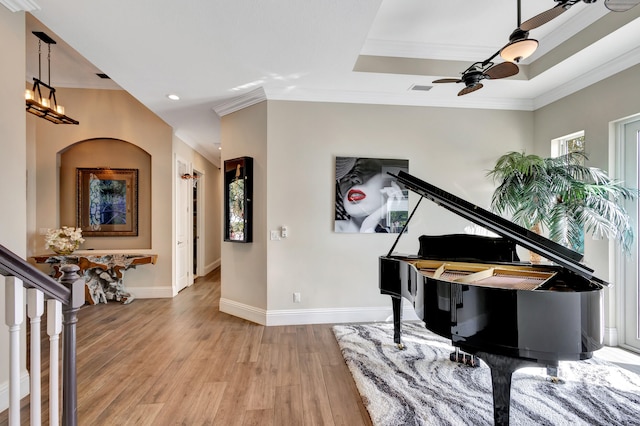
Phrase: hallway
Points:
(181, 361)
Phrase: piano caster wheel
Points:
(473, 361)
(555, 380)
(401, 346)
(553, 376)
(466, 359)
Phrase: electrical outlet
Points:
(296, 297)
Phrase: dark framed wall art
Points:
(107, 202)
(238, 194)
(368, 199)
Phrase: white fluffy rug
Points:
(420, 386)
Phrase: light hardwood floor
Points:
(181, 361)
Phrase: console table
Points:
(103, 273)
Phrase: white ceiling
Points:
(370, 51)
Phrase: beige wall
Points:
(244, 266)
(450, 148)
(591, 110)
(338, 273)
(13, 173)
(117, 115)
(13, 134)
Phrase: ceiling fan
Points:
(564, 5)
(472, 76)
(521, 46)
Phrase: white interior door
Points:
(631, 296)
(183, 225)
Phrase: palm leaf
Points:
(562, 195)
(564, 229)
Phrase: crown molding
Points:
(20, 5)
(580, 19)
(425, 99)
(606, 70)
(372, 98)
(438, 51)
(240, 102)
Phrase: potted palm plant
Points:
(562, 196)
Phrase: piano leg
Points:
(502, 368)
(396, 304)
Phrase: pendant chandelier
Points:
(46, 107)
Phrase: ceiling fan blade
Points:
(470, 89)
(620, 5)
(447, 80)
(502, 70)
(543, 18)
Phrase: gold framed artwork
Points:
(107, 202)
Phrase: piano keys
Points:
(475, 291)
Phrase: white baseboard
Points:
(311, 316)
(4, 390)
(335, 315)
(610, 336)
(210, 267)
(243, 311)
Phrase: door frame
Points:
(200, 222)
(178, 172)
(616, 336)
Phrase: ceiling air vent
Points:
(101, 75)
(421, 88)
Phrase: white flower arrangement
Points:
(64, 240)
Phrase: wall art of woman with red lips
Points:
(368, 199)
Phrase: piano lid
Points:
(546, 248)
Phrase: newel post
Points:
(75, 283)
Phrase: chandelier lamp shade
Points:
(46, 107)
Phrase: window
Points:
(566, 144)
(563, 146)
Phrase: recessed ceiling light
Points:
(173, 97)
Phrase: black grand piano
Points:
(475, 291)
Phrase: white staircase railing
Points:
(63, 300)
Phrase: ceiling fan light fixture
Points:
(518, 50)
